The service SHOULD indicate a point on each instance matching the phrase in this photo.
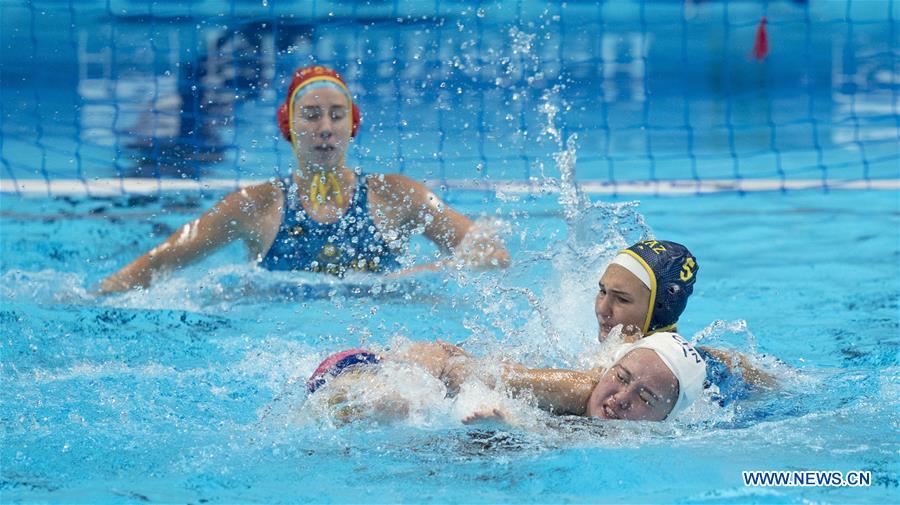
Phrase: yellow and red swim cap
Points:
(303, 77)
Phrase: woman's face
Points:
(639, 387)
(623, 299)
(321, 125)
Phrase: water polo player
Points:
(645, 289)
(643, 292)
(651, 380)
(642, 383)
(325, 217)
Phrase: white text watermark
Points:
(806, 478)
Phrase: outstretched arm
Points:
(245, 214)
(558, 391)
(562, 392)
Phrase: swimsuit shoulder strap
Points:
(361, 195)
(289, 190)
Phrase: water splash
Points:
(43, 286)
(552, 322)
(523, 64)
(723, 332)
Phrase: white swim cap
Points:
(682, 359)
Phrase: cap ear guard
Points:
(284, 122)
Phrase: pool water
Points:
(193, 390)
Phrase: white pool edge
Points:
(134, 185)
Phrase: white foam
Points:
(44, 286)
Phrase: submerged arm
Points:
(347, 404)
(358, 393)
(414, 206)
(737, 362)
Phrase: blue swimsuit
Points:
(353, 242)
(725, 385)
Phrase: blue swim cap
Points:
(671, 271)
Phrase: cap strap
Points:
(305, 87)
(632, 262)
(628, 262)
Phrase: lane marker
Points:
(133, 185)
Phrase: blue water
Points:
(193, 390)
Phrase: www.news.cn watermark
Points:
(806, 478)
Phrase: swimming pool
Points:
(192, 391)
